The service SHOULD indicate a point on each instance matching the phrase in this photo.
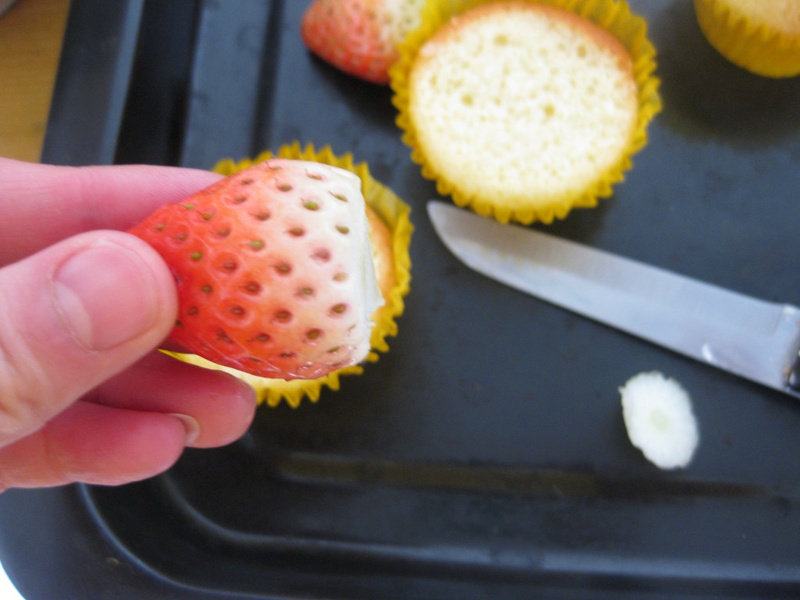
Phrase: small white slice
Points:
(659, 419)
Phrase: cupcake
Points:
(760, 36)
(525, 110)
(390, 236)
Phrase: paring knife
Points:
(752, 338)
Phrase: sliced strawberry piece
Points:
(273, 269)
(360, 37)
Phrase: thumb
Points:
(73, 315)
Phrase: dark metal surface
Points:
(485, 455)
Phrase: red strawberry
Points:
(273, 269)
(359, 37)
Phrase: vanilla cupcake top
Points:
(780, 15)
(524, 110)
(523, 103)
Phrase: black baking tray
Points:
(484, 456)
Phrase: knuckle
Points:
(23, 395)
(33, 461)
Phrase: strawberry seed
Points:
(252, 287)
(223, 336)
(283, 316)
(321, 255)
(283, 268)
(339, 309)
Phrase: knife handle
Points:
(793, 380)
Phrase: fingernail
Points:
(106, 295)
(190, 424)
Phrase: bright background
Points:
(7, 589)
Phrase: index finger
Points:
(42, 204)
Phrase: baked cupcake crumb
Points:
(523, 110)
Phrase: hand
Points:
(83, 394)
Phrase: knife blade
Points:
(750, 337)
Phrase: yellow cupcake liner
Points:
(613, 15)
(396, 215)
(756, 47)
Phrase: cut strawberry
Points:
(360, 37)
(273, 269)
